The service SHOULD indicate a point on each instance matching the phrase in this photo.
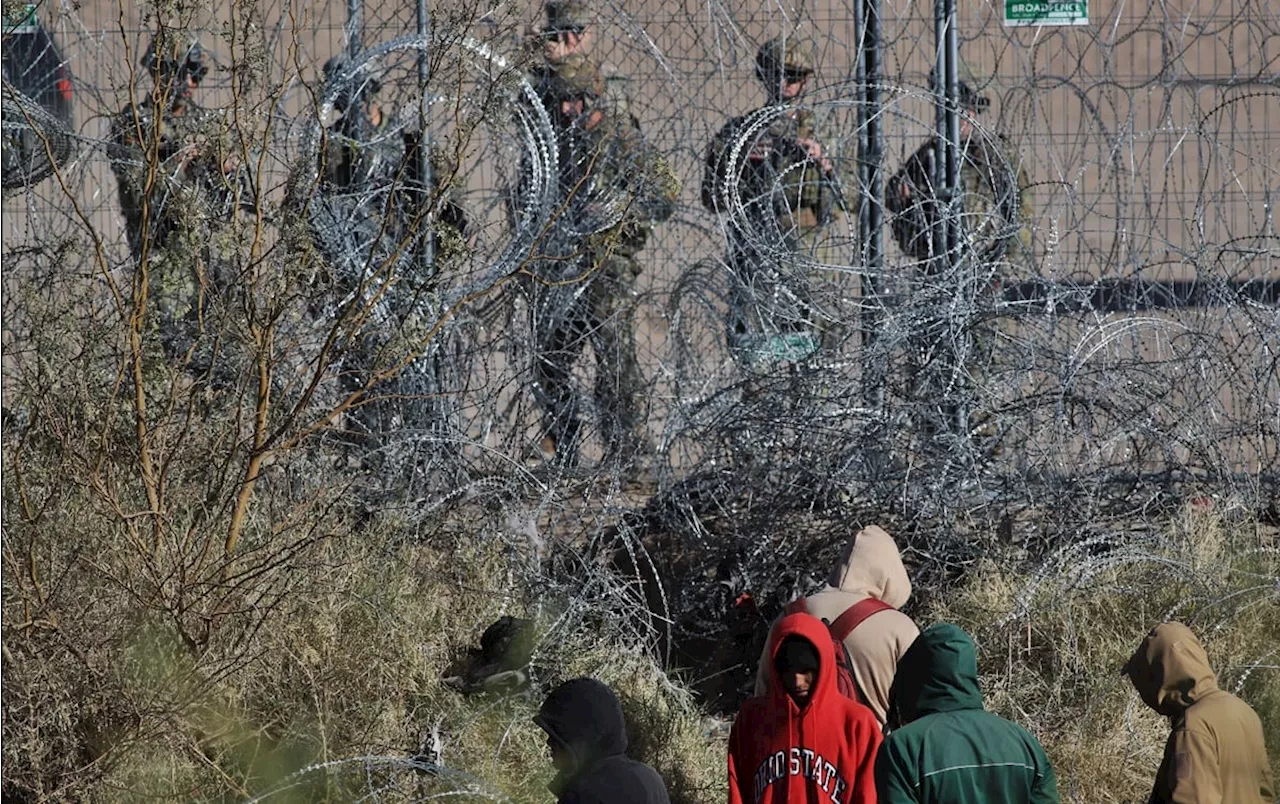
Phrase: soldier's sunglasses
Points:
(795, 76)
(561, 35)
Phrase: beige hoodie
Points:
(871, 568)
(1216, 752)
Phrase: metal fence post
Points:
(945, 155)
(957, 240)
(870, 180)
(426, 241)
(442, 412)
(951, 120)
(355, 25)
(947, 238)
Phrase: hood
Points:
(813, 630)
(873, 566)
(1170, 669)
(586, 717)
(938, 673)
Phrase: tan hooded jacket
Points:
(871, 568)
(1216, 752)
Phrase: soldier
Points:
(771, 171)
(995, 209)
(996, 204)
(360, 157)
(367, 215)
(612, 189)
(355, 152)
(361, 152)
(177, 180)
(567, 40)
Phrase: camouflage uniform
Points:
(995, 211)
(366, 216)
(782, 202)
(168, 155)
(612, 188)
(361, 162)
(996, 203)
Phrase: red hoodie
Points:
(823, 753)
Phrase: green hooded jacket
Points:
(950, 749)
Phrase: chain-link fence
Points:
(738, 277)
(1048, 276)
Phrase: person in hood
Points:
(872, 568)
(803, 742)
(949, 750)
(1216, 750)
(587, 737)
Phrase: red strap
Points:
(797, 606)
(854, 615)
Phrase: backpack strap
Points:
(854, 615)
(846, 622)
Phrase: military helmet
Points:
(563, 16)
(166, 56)
(784, 55)
(969, 86)
(355, 86)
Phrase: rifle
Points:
(785, 134)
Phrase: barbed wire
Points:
(1103, 343)
(36, 141)
(379, 779)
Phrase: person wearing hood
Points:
(949, 750)
(871, 570)
(1216, 751)
(803, 742)
(587, 737)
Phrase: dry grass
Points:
(110, 705)
(1053, 640)
(317, 675)
(133, 672)
(347, 666)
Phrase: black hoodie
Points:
(586, 718)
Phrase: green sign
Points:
(23, 22)
(1046, 12)
(763, 352)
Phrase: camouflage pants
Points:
(955, 347)
(396, 360)
(597, 311)
(780, 307)
(380, 292)
(181, 290)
